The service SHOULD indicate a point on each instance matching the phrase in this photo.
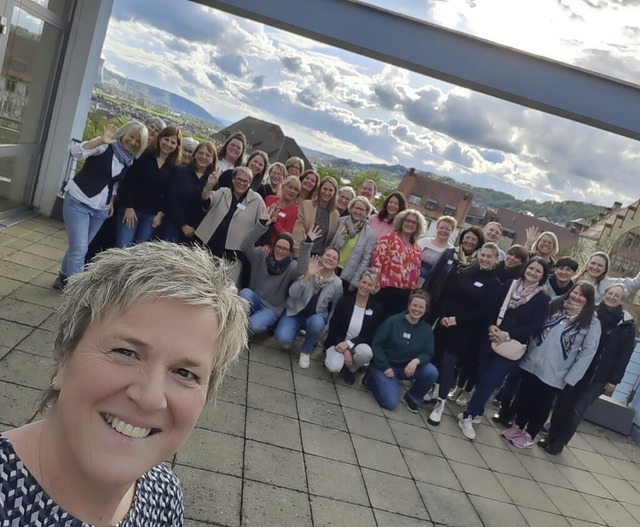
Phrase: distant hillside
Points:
(161, 97)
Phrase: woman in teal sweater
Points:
(402, 350)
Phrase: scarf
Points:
(349, 230)
(520, 294)
(121, 154)
(277, 267)
(320, 282)
(609, 317)
(464, 262)
(568, 335)
(571, 310)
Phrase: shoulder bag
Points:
(509, 349)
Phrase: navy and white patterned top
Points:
(157, 501)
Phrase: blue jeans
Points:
(492, 370)
(288, 327)
(386, 391)
(82, 224)
(261, 317)
(140, 232)
(172, 232)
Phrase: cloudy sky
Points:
(354, 107)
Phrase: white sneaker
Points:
(436, 415)
(466, 425)
(476, 420)
(463, 398)
(432, 393)
(453, 394)
(304, 361)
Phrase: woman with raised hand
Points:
(231, 154)
(396, 258)
(308, 185)
(559, 356)
(143, 190)
(286, 204)
(432, 248)
(321, 211)
(145, 338)
(382, 223)
(88, 200)
(595, 273)
(542, 244)
(605, 372)
(524, 308)
(276, 174)
(257, 162)
(351, 328)
(355, 240)
(311, 300)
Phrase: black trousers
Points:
(533, 402)
(571, 406)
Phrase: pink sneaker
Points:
(511, 433)
(524, 440)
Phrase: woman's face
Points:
(368, 190)
(134, 386)
(393, 206)
(281, 249)
(417, 308)
(326, 192)
(359, 211)
(343, 200)
(294, 169)
(203, 157)
(308, 183)
(492, 233)
(256, 165)
(613, 297)
(241, 182)
(234, 150)
(168, 144)
(533, 273)
(545, 246)
(131, 142)
(469, 242)
(290, 193)
(276, 175)
(576, 297)
(511, 261)
(187, 154)
(487, 259)
(153, 130)
(330, 260)
(410, 224)
(596, 266)
(443, 231)
(366, 286)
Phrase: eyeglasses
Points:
(187, 151)
(243, 181)
(411, 222)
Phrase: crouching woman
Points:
(402, 350)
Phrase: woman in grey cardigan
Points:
(312, 298)
(355, 240)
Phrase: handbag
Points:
(509, 349)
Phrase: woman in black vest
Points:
(88, 200)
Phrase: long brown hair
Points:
(175, 157)
(583, 320)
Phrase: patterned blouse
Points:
(397, 263)
(157, 501)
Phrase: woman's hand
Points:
(212, 179)
(314, 233)
(342, 347)
(188, 231)
(348, 358)
(157, 220)
(130, 218)
(109, 134)
(268, 214)
(314, 266)
(410, 368)
(448, 322)
(111, 209)
(532, 234)
(389, 374)
(609, 389)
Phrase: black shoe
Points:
(551, 446)
(365, 379)
(501, 420)
(412, 406)
(348, 375)
(60, 283)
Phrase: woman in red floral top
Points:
(397, 260)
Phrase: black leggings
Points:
(533, 403)
(447, 376)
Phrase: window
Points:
(449, 210)
(509, 233)
(431, 204)
(414, 199)
(10, 85)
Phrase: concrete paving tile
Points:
(31, 260)
(38, 341)
(388, 519)
(586, 427)
(526, 493)
(415, 437)
(212, 451)
(487, 435)
(327, 442)
(380, 456)
(15, 231)
(628, 470)
(503, 461)
(448, 426)
(270, 376)
(55, 241)
(430, 469)
(42, 296)
(4, 352)
(223, 417)
(210, 497)
(52, 253)
(620, 489)
(8, 286)
(51, 324)
(584, 482)
(575, 522)
(448, 506)
(605, 447)
(316, 388)
(571, 503)
(359, 399)
(536, 518)
(23, 312)
(274, 506)
(273, 428)
(634, 510)
(12, 333)
(18, 244)
(45, 280)
(270, 357)
(479, 481)
(329, 513)
(233, 390)
(613, 513)
(496, 513)
(315, 370)
(274, 465)
(545, 472)
(29, 370)
(34, 224)
(630, 449)
(16, 271)
(394, 494)
(239, 369)
(368, 425)
(578, 441)
(402, 414)
(461, 450)
(6, 251)
(567, 458)
(595, 463)
(336, 480)
(321, 413)
(18, 403)
(272, 400)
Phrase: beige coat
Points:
(305, 221)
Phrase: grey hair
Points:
(625, 291)
(130, 128)
(189, 142)
(422, 223)
(348, 189)
(154, 119)
(359, 199)
(118, 279)
(370, 273)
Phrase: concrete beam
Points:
(482, 66)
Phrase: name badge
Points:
(241, 206)
(282, 214)
(406, 335)
(449, 262)
(368, 312)
(478, 284)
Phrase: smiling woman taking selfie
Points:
(145, 337)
